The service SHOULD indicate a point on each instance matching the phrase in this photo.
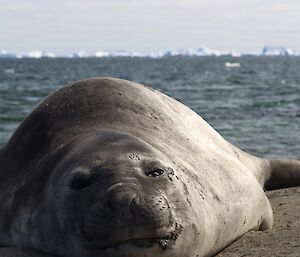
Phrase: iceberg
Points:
(202, 51)
(48, 55)
(100, 54)
(123, 53)
(155, 55)
(189, 52)
(80, 54)
(235, 54)
(4, 54)
(193, 52)
(276, 51)
(251, 53)
(37, 55)
(34, 54)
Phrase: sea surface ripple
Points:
(254, 103)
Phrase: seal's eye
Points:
(79, 183)
(155, 173)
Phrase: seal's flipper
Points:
(270, 173)
(282, 173)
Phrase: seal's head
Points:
(113, 195)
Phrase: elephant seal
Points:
(107, 167)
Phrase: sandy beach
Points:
(283, 240)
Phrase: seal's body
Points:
(106, 167)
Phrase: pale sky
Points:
(66, 26)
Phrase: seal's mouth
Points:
(136, 242)
(163, 238)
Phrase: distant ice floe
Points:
(201, 51)
(235, 54)
(124, 53)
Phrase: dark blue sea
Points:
(254, 102)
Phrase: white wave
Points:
(232, 64)
(9, 71)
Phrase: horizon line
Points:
(201, 51)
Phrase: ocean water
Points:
(253, 102)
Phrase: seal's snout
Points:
(123, 202)
(127, 205)
(125, 213)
